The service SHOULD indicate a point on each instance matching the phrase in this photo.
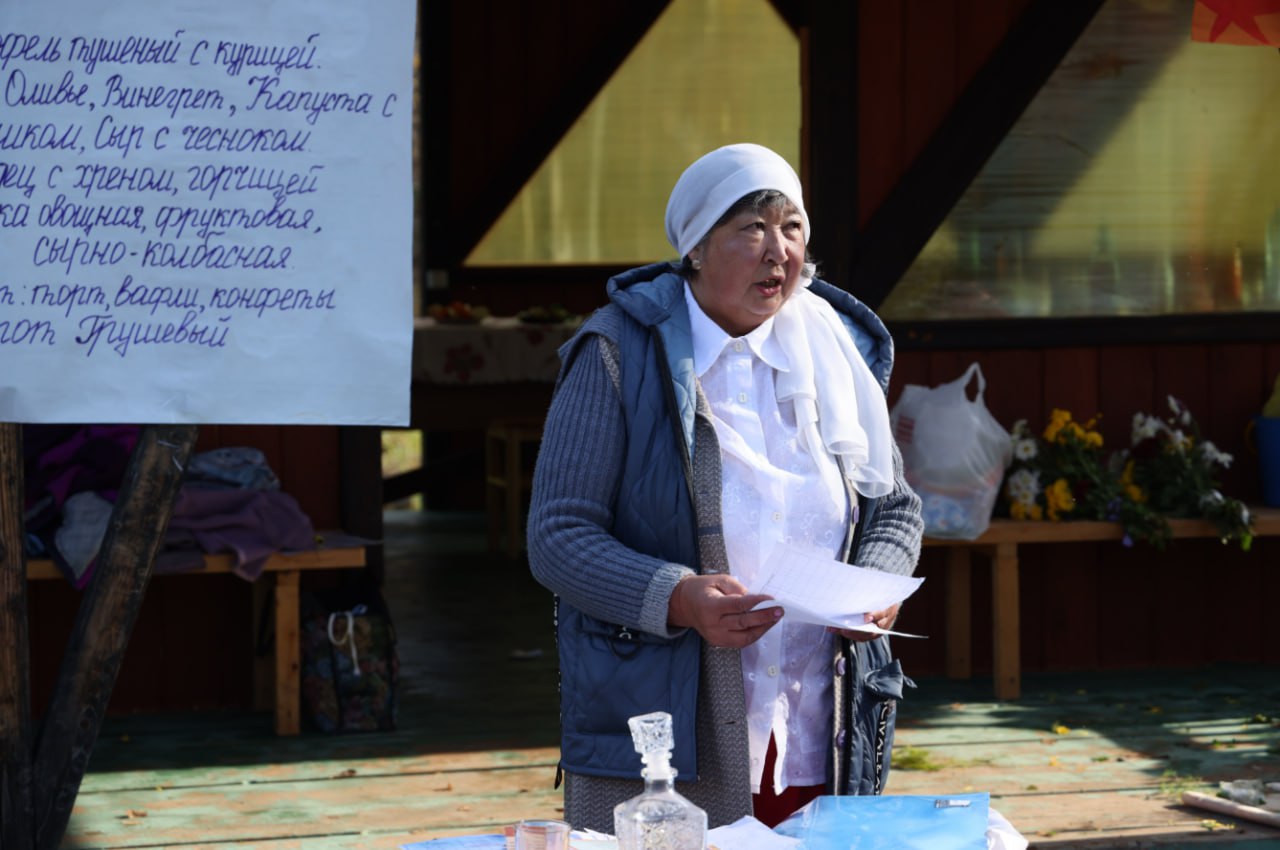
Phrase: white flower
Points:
(1025, 449)
(1144, 428)
(1024, 486)
(1213, 497)
(1213, 455)
(1020, 429)
(1178, 440)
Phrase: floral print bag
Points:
(350, 667)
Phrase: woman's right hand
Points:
(719, 607)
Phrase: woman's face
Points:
(750, 266)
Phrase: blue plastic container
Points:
(1266, 436)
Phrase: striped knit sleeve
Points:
(891, 541)
(571, 551)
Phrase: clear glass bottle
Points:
(659, 818)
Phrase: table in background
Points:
(466, 375)
(999, 543)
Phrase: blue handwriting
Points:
(68, 296)
(18, 91)
(28, 48)
(313, 103)
(119, 334)
(131, 50)
(25, 331)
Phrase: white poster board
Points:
(206, 211)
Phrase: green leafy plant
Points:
(1176, 469)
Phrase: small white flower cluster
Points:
(1024, 444)
(1145, 428)
(1023, 486)
(1212, 454)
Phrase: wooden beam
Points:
(104, 622)
(571, 101)
(17, 814)
(982, 116)
(829, 135)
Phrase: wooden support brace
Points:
(104, 623)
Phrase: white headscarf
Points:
(717, 181)
(839, 406)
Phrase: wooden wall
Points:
(503, 80)
(1097, 606)
(915, 58)
(193, 636)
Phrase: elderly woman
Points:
(716, 409)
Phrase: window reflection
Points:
(708, 73)
(1144, 179)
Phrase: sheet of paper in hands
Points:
(823, 591)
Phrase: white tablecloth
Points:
(495, 350)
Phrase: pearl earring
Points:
(695, 263)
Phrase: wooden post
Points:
(1007, 661)
(288, 654)
(959, 613)
(104, 622)
(16, 803)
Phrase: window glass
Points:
(1144, 179)
(708, 73)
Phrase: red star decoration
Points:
(1243, 14)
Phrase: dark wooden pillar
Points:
(104, 622)
(16, 802)
(829, 134)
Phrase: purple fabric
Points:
(250, 524)
(63, 460)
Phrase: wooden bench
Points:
(287, 569)
(1000, 544)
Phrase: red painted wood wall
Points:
(1083, 606)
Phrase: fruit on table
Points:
(552, 313)
(457, 311)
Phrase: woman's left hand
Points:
(884, 619)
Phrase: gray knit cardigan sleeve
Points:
(571, 551)
(891, 540)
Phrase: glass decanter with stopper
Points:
(659, 818)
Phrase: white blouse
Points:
(773, 492)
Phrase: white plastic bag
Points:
(954, 452)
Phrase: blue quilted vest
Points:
(609, 673)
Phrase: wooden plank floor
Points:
(1081, 761)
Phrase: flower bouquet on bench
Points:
(1168, 471)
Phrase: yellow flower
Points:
(1058, 419)
(1132, 490)
(1059, 497)
(1018, 510)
